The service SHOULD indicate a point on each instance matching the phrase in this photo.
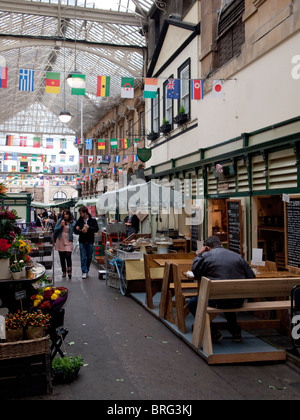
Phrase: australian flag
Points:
(173, 89)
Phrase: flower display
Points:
(15, 321)
(3, 190)
(37, 319)
(49, 298)
(8, 227)
(4, 248)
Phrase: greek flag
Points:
(26, 80)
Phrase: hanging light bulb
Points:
(76, 79)
(65, 116)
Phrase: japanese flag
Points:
(218, 89)
(90, 159)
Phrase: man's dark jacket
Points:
(220, 263)
(88, 237)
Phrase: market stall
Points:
(124, 257)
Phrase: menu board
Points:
(292, 236)
(234, 226)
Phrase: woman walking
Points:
(64, 242)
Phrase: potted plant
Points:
(14, 326)
(4, 258)
(153, 136)
(181, 117)
(36, 324)
(165, 127)
(66, 369)
(16, 270)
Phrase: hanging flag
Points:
(113, 170)
(13, 168)
(218, 90)
(173, 89)
(103, 86)
(14, 156)
(127, 87)
(9, 140)
(117, 159)
(4, 156)
(26, 80)
(90, 159)
(52, 82)
(36, 142)
(34, 158)
(125, 158)
(23, 141)
(44, 158)
(197, 89)
(91, 170)
(71, 158)
(114, 143)
(80, 159)
(150, 88)
(88, 144)
(23, 158)
(49, 143)
(134, 158)
(63, 143)
(53, 158)
(125, 143)
(62, 158)
(99, 159)
(98, 170)
(101, 144)
(78, 91)
(3, 77)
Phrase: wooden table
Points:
(162, 262)
(278, 274)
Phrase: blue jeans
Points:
(86, 255)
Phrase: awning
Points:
(87, 202)
(38, 205)
(140, 197)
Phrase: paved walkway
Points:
(131, 355)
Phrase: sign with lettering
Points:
(292, 233)
(234, 226)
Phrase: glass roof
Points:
(98, 38)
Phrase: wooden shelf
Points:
(271, 228)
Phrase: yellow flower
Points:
(47, 288)
(57, 292)
(36, 303)
(28, 249)
(54, 296)
(22, 248)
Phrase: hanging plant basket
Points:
(165, 128)
(180, 119)
(153, 136)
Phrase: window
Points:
(168, 105)
(184, 74)
(155, 113)
(231, 31)
(59, 195)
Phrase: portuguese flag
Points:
(103, 86)
(52, 82)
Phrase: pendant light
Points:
(75, 79)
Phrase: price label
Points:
(20, 295)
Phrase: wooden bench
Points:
(176, 284)
(242, 288)
(154, 273)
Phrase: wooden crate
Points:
(25, 377)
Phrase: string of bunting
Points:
(103, 87)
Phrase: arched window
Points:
(59, 195)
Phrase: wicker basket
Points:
(25, 348)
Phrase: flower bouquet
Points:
(5, 248)
(3, 190)
(50, 298)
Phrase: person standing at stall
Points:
(64, 241)
(132, 223)
(86, 227)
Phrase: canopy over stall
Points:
(141, 198)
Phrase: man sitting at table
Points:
(218, 263)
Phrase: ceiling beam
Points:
(68, 12)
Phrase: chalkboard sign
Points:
(234, 226)
(292, 233)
